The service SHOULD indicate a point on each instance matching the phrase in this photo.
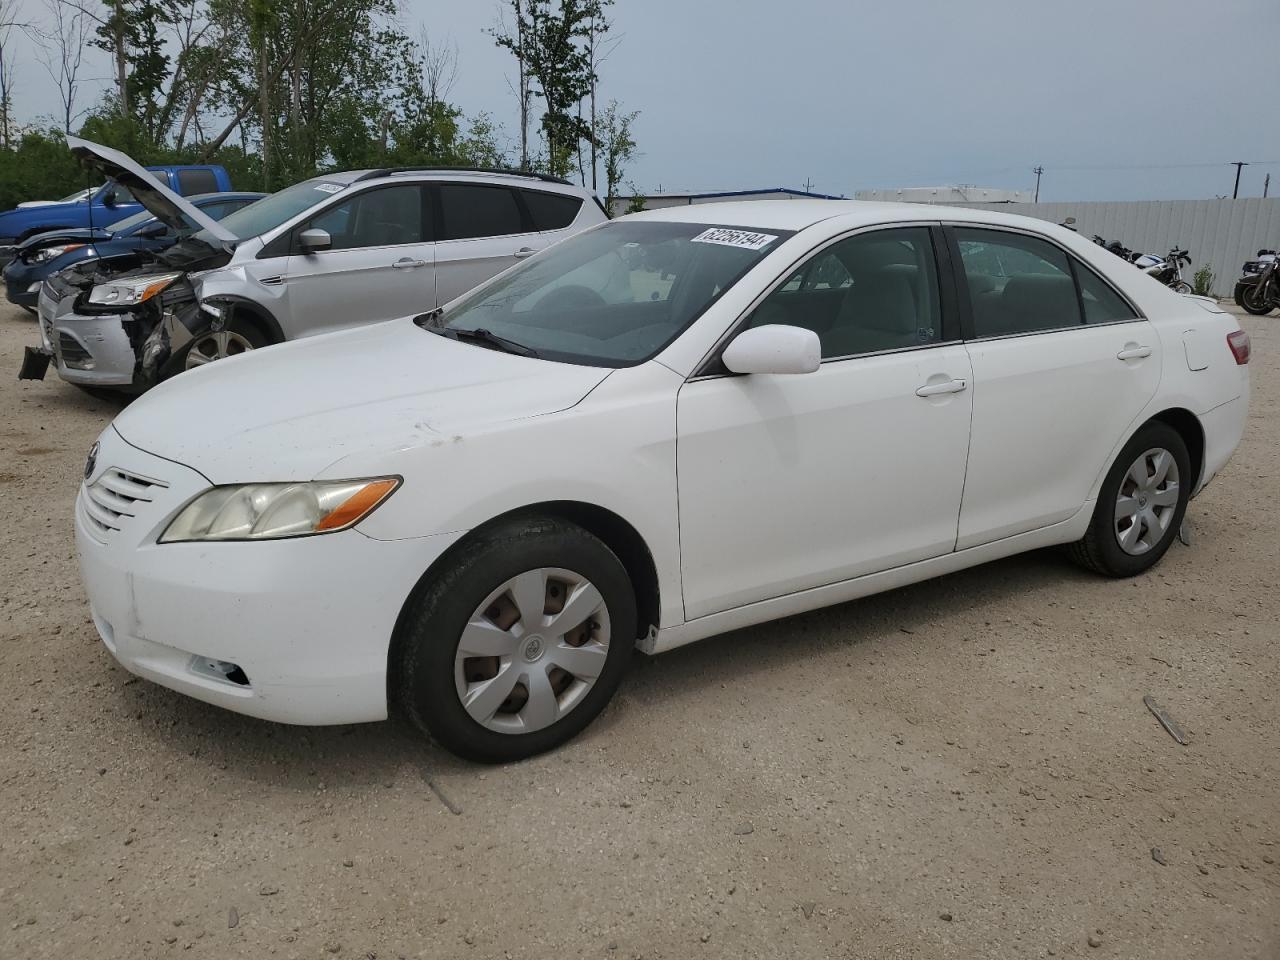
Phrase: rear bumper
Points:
(1223, 429)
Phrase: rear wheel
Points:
(1181, 286)
(518, 644)
(1255, 300)
(1140, 506)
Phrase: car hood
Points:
(51, 237)
(149, 192)
(288, 411)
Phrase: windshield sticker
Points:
(329, 187)
(735, 238)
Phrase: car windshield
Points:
(269, 212)
(128, 222)
(617, 295)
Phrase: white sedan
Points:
(672, 425)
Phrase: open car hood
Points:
(153, 195)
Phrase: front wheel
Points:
(237, 337)
(1140, 506)
(518, 644)
(1255, 300)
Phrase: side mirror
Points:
(109, 197)
(774, 348)
(314, 240)
(153, 231)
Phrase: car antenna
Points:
(88, 185)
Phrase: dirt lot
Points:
(964, 768)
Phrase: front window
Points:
(617, 295)
(269, 212)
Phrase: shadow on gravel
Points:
(367, 755)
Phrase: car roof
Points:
(785, 214)
(227, 195)
(513, 179)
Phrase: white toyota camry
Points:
(669, 426)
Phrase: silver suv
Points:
(336, 251)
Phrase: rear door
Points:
(379, 266)
(483, 229)
(1062, 366)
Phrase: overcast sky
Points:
(853, 94)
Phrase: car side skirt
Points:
(1065, 531)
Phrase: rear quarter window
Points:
(551, 211)
(191, 182)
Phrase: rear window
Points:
(471, 211)
(191, 182)
(551, 211)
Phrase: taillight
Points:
(1240, 348)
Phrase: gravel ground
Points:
(963, 768)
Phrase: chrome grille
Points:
(115, 498)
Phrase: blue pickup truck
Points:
(109, 204)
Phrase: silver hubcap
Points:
(216, 346)
(1147, 501)
(530, 653)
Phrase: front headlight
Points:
(131, 291)
(271, 511)
(49, 253)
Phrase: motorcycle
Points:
(1250, 273)
(1116, 247)
(1166, 269)
(1262, 295)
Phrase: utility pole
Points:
(1037, 171)
(1239, 165)
(1266, 186)
(808, 185)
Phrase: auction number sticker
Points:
(745, 239)
(330, 187)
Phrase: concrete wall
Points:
(1222, 233)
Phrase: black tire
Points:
(237, 326)
(1253, 302)
(1100, 549)
(423, 684)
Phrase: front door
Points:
(793, 482)
(379, 267)
(1062, 366)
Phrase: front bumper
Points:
(93, 350)
(308, 622)
(21, 284)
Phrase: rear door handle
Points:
(1133, 353)
(524, 252)
(408, 263)
(937, 389)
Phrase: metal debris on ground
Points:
(1158, 855)
(1184, 533)
(1166, 721)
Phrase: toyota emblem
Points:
(91, 461)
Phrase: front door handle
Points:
(937, 389)
(524, 252)
(1133, 352)
(408, 263)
